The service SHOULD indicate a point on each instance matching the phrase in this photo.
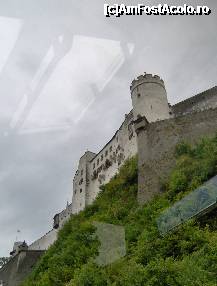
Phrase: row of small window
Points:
(118, 148)
(77, 172)
(102, 156)
(80, 191)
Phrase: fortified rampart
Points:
(18, 267)
(45, 241)
(202, 101)
(156, 146)
(95, 170)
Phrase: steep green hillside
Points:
(185, 257)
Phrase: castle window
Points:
(82, 172)
(117, 138)
(80, 190)
(75, 191)
(97, 161)
(138, 95)
(94, 165)
(106, 153)
(101, 157)
(110, 149)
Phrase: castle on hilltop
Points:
(150, 109)
(152, 129)
(149, 99)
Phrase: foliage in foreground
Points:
(187, 256)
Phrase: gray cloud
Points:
(39, 156)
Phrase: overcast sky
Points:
(65, 72)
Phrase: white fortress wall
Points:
(80, 183)
(108, 161)
(129, 137)
(45, 241)
(65, 215)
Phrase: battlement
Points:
(146, 78)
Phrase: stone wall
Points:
(19, 267)
(156, 145)
(108, 161)
(45, 241)
(65, 215)
(81, 182)
(199, 102)
(95, 170)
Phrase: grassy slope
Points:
(187, 256)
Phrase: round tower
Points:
(149, 98)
